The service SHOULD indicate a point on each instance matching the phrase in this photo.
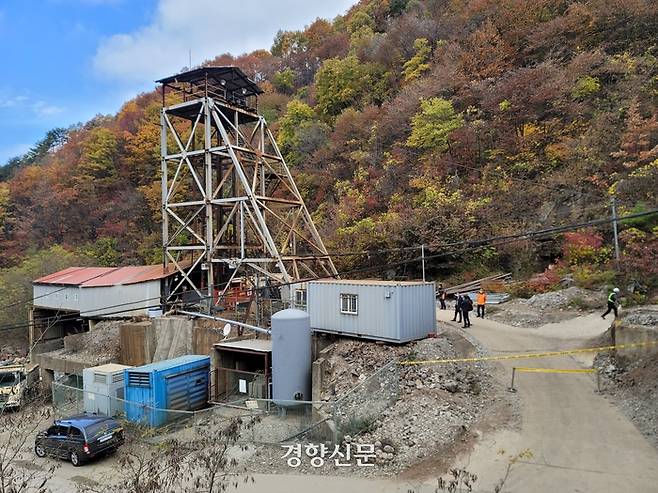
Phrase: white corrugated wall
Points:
(130, 300)
(388, 312)
(56, 297)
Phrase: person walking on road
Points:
(442, 297)
(467, 306)
(613, 303)
(458, 308)
(481, 301)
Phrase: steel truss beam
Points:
(230, 206)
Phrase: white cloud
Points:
(43, 109)
(39, 107)
(207, 27)
(12, 102)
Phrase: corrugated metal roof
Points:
(89, 277)
(74, 275)
(130, 275)
(59, 273)
(259, 345)
(234, 78)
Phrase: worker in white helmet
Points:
(613, 302)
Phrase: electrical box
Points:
(103, 388)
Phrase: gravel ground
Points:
(554, 306)
(634, 389)
(632, 384)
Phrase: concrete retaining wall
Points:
(138, 343)
(637, 325)
(66, 363)
(173, 336)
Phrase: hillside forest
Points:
(405, 122)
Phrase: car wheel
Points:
(75, 458)
(39, 450)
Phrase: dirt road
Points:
(579, 441)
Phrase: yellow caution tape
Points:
(530, 355)
(555, 370)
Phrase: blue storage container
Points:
(153, 391)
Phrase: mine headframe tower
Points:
(230, 208)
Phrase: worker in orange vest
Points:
(481, 301)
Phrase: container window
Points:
(300, 298)
(349, 303)
(99, 378)
(117, 377)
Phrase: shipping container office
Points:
(155, 391)
(392, 311)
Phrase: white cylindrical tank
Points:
(291, 357)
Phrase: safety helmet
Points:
(616, 290)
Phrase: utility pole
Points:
(614, 229)
(422, 253)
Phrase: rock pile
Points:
(554, 306)
(645, 316)
(10, 355)
(100, 344)
(351, 362)
(436, 403)
(562, 298)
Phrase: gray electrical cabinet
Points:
(103, 388)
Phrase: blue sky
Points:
(64, 61)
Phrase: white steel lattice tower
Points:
(230, 207)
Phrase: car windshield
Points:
(100, 428)
(8, 379)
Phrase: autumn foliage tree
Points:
(405, 123)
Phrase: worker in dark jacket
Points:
(467, 306)
(458, 308)
(613, 303)
(442, 297)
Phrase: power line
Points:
(467, 246)
(25, 301)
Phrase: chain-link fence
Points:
(232, 384)
(270, 421)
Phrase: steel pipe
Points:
(226, 320)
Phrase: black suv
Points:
(79, 438)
